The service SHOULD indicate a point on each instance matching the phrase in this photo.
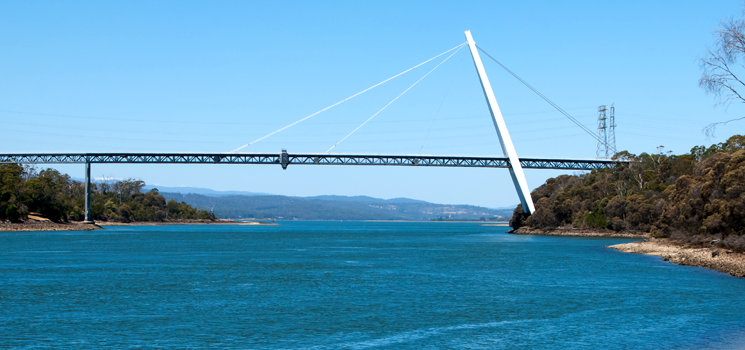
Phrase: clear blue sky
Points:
(211, 76)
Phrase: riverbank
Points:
(714, 258)
(41, 224)
(722, 260)
(575, 232)
(47, 226)
(184, 222)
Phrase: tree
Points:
(11, 193)
(722, 67)
(49, 194)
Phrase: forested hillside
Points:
(694, 197)
(55, 196)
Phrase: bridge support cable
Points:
(346, 99)
(562, 111)
(394, 100)
(516, 170)
(455, 74)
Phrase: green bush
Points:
(596, 219)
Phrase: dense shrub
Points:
(56, 197)
(697, 197)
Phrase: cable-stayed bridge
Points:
(510, 160)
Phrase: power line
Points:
(575, 121)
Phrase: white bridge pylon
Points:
(516, 170)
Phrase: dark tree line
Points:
(55, 196)
(695, 197)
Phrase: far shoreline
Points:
(45, 225)
(186, 222)
(35, 223)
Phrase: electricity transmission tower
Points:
(606, 132)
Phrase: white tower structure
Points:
(516, 170)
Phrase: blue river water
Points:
(354, 285)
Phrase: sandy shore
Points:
(572, 232)
(713, 258)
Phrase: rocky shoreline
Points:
(714, 258)
(47, 226)
(575, 232)
(722, 260)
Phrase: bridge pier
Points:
(516, 170)
(88, 219)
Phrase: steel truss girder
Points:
(306, 159)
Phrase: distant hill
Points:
(204, 191)
(331, 207)
(365, 199)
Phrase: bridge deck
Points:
(284, 159)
